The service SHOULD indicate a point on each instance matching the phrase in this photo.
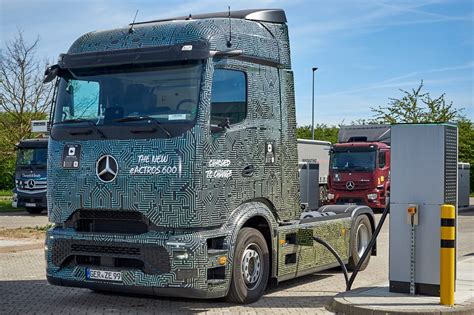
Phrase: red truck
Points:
(359, 167)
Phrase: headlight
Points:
(372, 196)
(330, 196)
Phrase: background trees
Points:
(23, 97)
(415, 106)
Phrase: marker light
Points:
(222, 260)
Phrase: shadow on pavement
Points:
(22, 213)
(40, 297)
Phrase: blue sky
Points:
(365, 50)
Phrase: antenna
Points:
(130, 30)
(229, 42)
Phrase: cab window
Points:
(228, 96)
(382, 159)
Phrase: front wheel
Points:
(323, 195)
(251, 267)
(361, 233)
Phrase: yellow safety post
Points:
(447, 254)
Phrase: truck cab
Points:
(30, 175)
(360, 174)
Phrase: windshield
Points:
(167, 94)
(353, 161)
(34, 156)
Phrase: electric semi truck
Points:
(173, 166)
(30, 175)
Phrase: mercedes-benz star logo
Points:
(350, 185)
(31, 183)
(106, 168)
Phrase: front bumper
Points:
(153, 263)
(358, 197)
(22, 200)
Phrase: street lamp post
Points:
(312, 115)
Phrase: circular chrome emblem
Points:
(350, 185)
(106, 168)
(31, 183)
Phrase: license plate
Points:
(29, 204)
(351, 203)
(104, 275)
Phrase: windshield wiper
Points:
(79, 120)
(145, 117)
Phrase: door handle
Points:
(248, 171)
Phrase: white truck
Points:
(316, 151)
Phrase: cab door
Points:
(229, 160)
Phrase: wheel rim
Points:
(252, 266)
(322, 194)
(362, 239)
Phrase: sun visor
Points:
(197, 50)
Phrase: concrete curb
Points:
(466, 209)
(340, 304)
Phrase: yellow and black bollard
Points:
(447, 254)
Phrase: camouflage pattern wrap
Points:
(187, 207)
(296, 258)
(188, 198)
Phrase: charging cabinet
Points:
(423, 175)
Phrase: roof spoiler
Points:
(260, 15)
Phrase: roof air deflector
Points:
(261, 15)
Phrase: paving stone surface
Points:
(23, 288)
(13, 220)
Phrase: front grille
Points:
(110, 214)
(109, 221)
(88, 248)
(151, 259)
(36, 185)
(357, 185)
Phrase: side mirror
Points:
(51, 73)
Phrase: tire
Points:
(34, 210)
(387, 201)
(360, 238)
(323, 195)
(251, 267)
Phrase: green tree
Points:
(321, 132)
(23, 97)
(416, 106)
(466, 145)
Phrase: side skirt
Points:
(309, 271)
